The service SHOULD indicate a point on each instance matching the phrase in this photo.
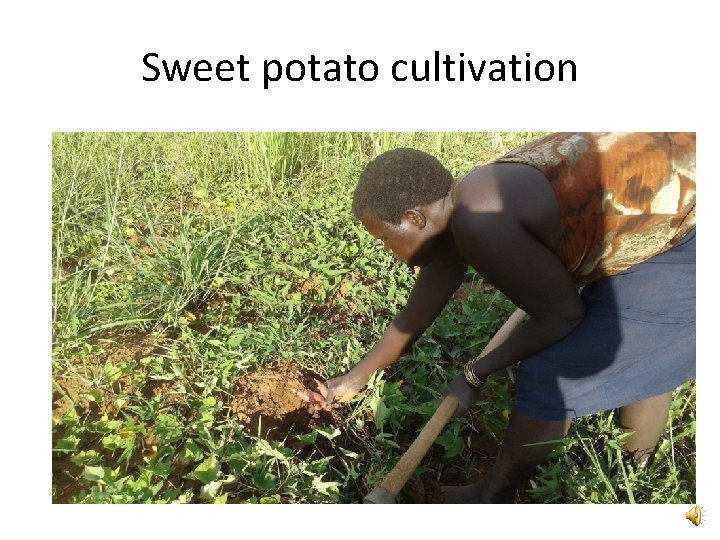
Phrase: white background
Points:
(70, 66)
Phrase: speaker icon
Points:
(694, 515)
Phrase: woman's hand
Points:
(466, 394)
(343, 388)
(336, 390)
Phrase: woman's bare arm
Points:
(433, 288)
(498, 226)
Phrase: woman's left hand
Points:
(466, 394)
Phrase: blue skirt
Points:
(637, 341)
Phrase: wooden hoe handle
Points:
(387, 490)
(396, 479)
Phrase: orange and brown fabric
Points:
(624, 197)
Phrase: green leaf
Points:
(326, 488)
(275, 451)
(264, 480)
(67, 443)
(207, 471)
(104, 425)
(238, 463)
(350, 454)
(308, 438)
(235, 341)
(209, 402)
(211, 490)
(118, 441)
(381, 413)
(91, 394)
(159, 469)
(387, 438)
(452, 442)
(329, 432)
(112, 372)
(86, 457)
(93, 473)
(71, 417)
(191, 452)
(169, 428)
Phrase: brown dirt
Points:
(266, 403)
(61, 404)
(64, 478)
(336, 306)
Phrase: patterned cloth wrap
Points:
(627, 203)
(624, 197)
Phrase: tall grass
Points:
(127, 204)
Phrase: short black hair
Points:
(398, 180)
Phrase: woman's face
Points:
(410, 241)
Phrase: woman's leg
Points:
(528, 441)
(647, 420)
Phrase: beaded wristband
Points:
(470, 376)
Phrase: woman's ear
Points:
(415, 217)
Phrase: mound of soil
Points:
(266, 402)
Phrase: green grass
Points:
(183, 263)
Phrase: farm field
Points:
(200, 279)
